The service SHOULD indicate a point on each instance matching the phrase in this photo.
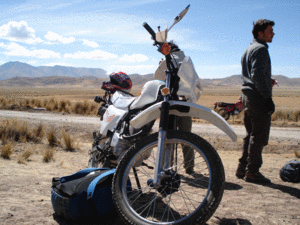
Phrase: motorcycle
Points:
(151, 184)
(227, 109)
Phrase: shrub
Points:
(68, 141)
(52, 105)
(297, 154)
(63, 106)
(3, 102)
(45, 103)
(38, 103)
(285, 115)
(52, 139)
(38, 133)
(48, 154)
(25, 155)
(7, 150)
(280, 115)
(297, 115)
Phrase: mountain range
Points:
(19, 69)
(22, 74)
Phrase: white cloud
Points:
(90, 43)
(19, 31)
(140, 69)
(54, 38)
(15, 49)
(96, 54)
(133, 58)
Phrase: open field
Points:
(284, 98)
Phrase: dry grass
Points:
(22, 158)
(7, 150)
(20, 131)
(52, 105)
(38, 133)
(48, 154)
(69, 143)
(14, 131)
(297, 154)
(84, 108)
(52, 139)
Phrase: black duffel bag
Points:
(84, 194)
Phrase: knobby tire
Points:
(197, 196)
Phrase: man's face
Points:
(267, 35)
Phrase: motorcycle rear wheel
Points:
(183, 197)
(224, 114)
(97, 157)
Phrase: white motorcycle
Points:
(151, 184)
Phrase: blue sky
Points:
(109, 34)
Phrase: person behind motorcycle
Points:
(257, 99)
(183, 123)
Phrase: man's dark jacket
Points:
(256, 69)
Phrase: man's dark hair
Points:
(261, 25)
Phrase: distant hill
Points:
(19, 69)
(137, 80)
(17, 74)
(236, 81)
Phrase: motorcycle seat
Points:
(224, 104)
(122, 100)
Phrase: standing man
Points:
(257, 99)
(183, 123)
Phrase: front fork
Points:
(164, 153)
(163, 124)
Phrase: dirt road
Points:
(277, 133)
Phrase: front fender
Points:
(180, 108)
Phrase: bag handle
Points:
(79, 174)
(93, 184)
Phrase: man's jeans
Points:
(257, 123)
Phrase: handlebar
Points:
(98, 99)
(149, 29)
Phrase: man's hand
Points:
(270, 106)
(274, 82)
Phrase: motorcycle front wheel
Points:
(224, 114)
(190, 189)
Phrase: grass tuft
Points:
(52, 139)
(25, 156)
(297, 154)
(68, 141)
(7, 150)
(38, 133)
(48, 154)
